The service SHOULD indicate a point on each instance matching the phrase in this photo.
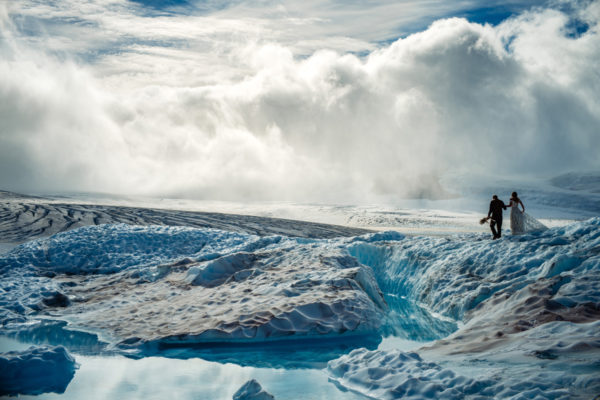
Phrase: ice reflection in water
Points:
(289, 354)
(109, 377)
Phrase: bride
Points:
(520, 222)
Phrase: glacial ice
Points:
(25, 217)
(398, 375)
(252, 390)
(36, 370)
(529, 308)
(512, 318)
(142, 287)
(453, 276)
(407, 375)
(112, 248)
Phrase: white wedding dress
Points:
(521, 222)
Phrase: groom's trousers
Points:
(496, 223)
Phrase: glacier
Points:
(514, 318)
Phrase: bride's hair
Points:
(514, 196)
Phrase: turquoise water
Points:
(118, 377)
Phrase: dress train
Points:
(521, 222)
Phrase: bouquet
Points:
(484, 220)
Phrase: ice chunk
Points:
(555, 360)
(56, 299)
(252, 390)
(215, 272)
(36, 370)
(379, 237)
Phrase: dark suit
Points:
(496, 207)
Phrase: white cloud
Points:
(218, 107)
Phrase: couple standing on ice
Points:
(520, 222)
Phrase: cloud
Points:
(229, 105)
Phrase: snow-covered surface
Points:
(6, 247)
(252, 390)
(529, 307)
(565, 368)
(398, 375)
(512, 318)
(556, 201)
(144, 286)
(407, 375)
(24, 218)
(36, 370)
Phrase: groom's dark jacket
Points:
(496, 207)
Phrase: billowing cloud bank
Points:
(107, 99)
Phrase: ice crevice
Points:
(529, 308)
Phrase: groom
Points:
(496, 207)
